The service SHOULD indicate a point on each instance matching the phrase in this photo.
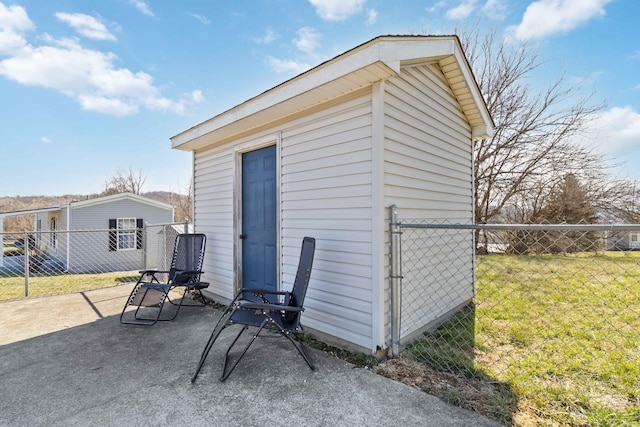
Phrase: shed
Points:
(108, 222)
(324, 154)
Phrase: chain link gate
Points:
(546, 317)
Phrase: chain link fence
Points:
(529, 324)
(51, 262)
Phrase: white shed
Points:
(324, 154)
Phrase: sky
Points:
(90, 88)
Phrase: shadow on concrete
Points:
(101, 372)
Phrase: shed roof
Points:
(375, 60)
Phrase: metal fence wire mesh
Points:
(550, 314)
(50, 262)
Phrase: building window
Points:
(54, 236)
(126, 233)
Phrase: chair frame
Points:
(153, 288)
(272, 316)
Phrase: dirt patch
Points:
(478, 394)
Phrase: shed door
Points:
(259, 233)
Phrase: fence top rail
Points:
(549, 227)
(90, 230)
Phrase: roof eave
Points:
(373, 61)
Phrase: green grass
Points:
(554, 340)
(14, 288)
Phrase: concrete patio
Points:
(67, 360)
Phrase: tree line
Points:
(122, 181)
(535, 169)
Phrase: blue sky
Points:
(91, 87)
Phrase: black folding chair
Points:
(280, 317)
(151, 291)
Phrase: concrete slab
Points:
(90, 370)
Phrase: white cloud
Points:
(268, 37)
(337, 10)
(14, 22)
(102, 104)
(436, 6)
(546, 17)
(495, 9)
(197, 96)
(203, 19)
(462, 11)
(142, 6)
(88, 76)
(287, 65)
(308, 39)
(45, 140)
(372, 16)
(617, 131)
(86, 25)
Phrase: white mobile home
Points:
(324, 154)
(57, 231)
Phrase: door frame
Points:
(239, 150)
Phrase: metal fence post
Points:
(145, 240)
(394, 278)
(26, 263)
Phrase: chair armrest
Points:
(187, 271)
(262, 291)
(251, 305)
(198, 285)
(152, 271)
(190, 275)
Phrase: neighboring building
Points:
(623, 240)
(87, 249)
(325, 154)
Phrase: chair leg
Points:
(220, 325)
(172, 303)
(226, 374)
(300, 346)
(203, 304)
(143, 321)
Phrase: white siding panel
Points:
(213, 187)
(327, 194)
(428, 175)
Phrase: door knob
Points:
(243, 236)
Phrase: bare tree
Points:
(125, 181)
(531, 150)
(183, 205)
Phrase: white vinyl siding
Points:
(428, 175)
(214, 213)
(327, 193)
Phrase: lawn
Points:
(548, 340)
(13, 287)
